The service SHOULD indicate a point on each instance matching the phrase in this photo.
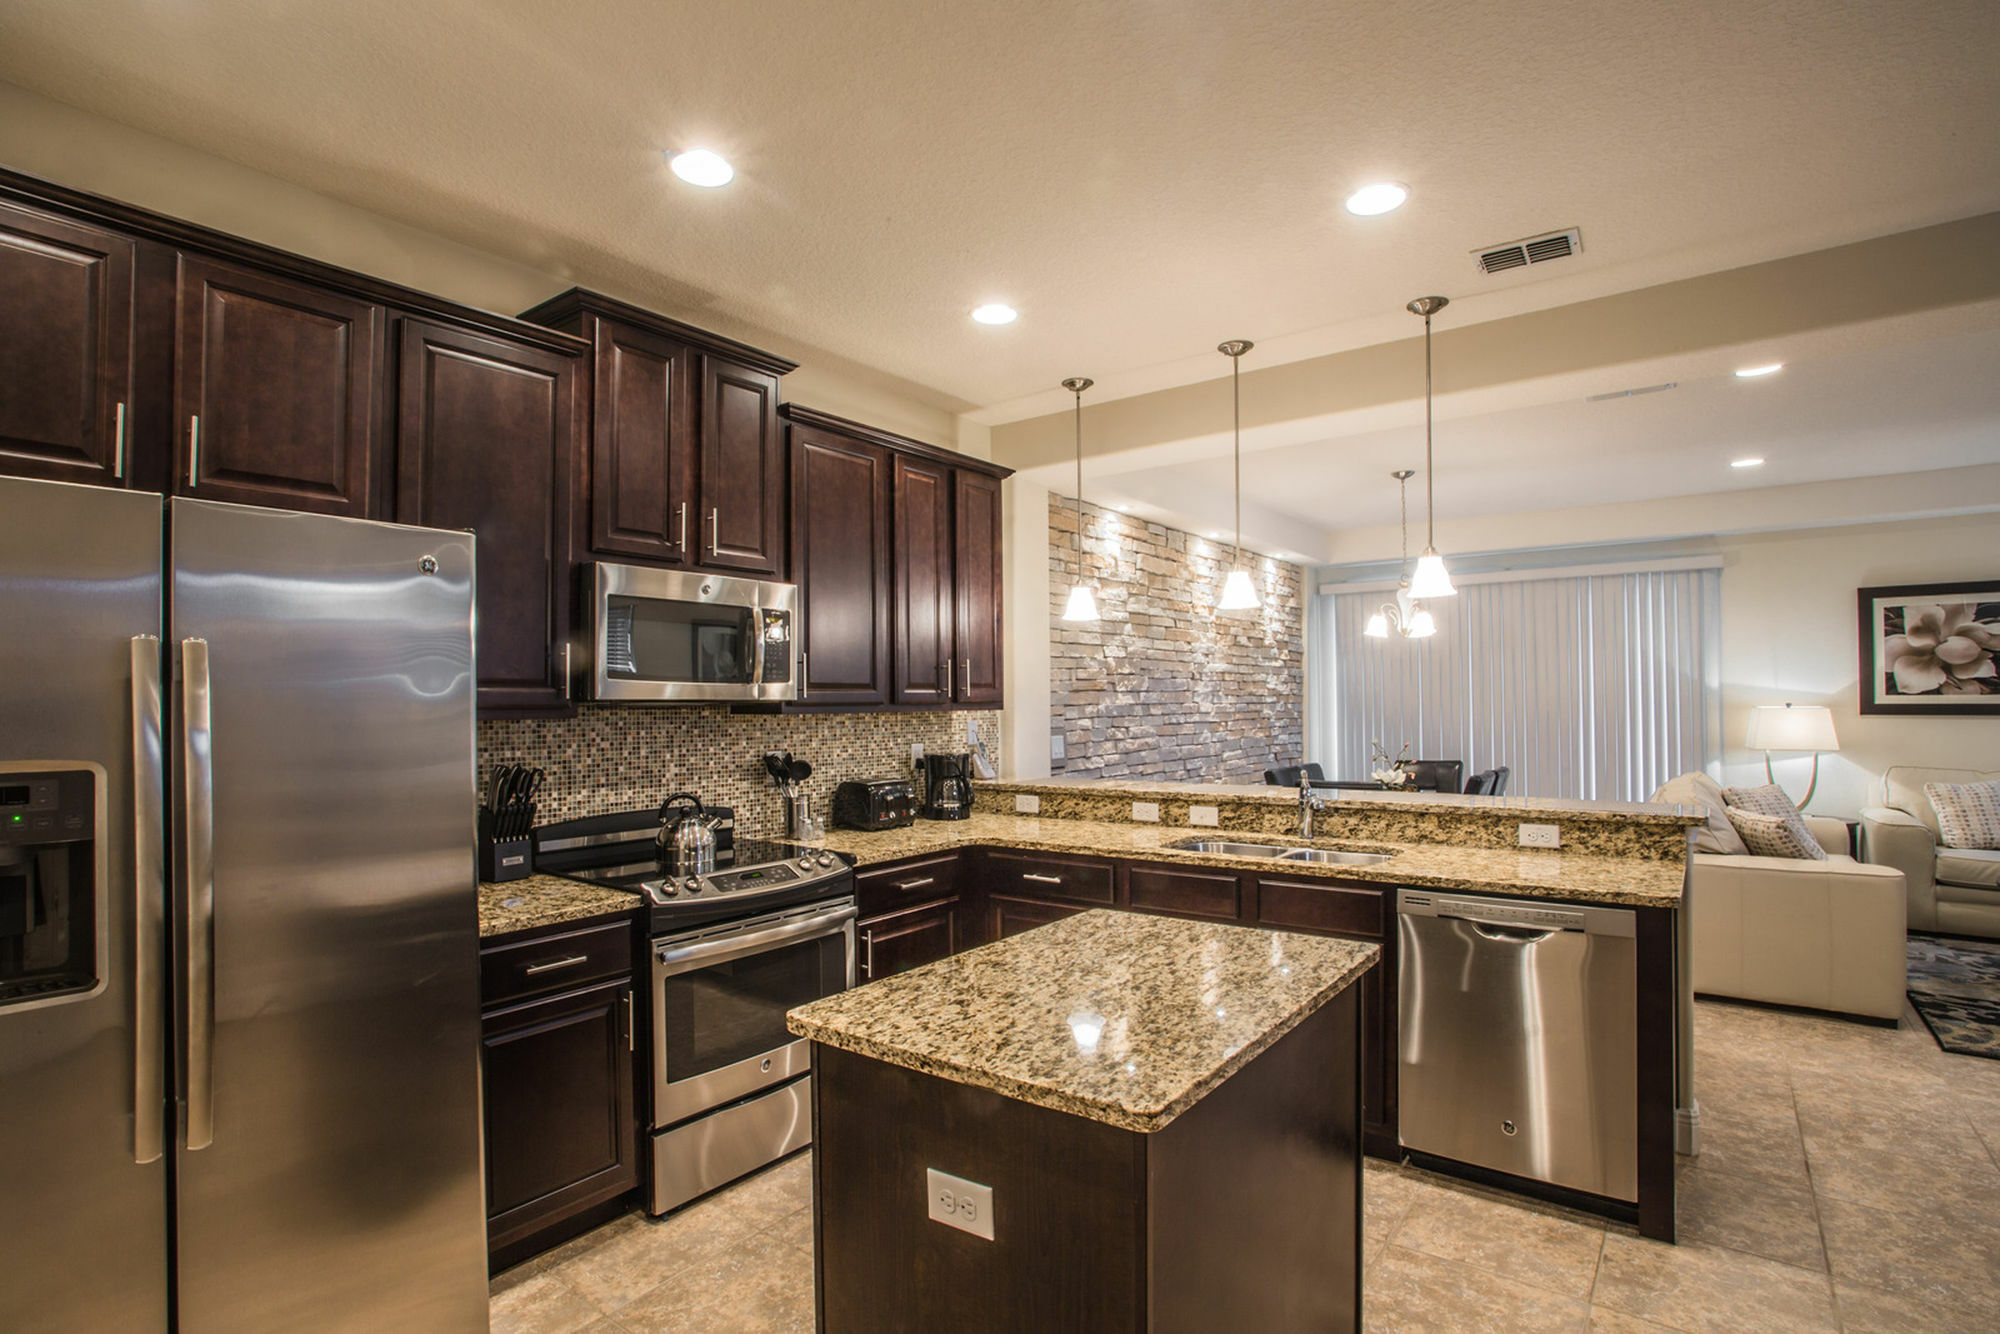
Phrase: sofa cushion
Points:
(1776, 835)
(1968, 814)
(1903, 788)
(1767, 799)
(1969, 867)
(1698, 789)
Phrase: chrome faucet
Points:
(1308, 804)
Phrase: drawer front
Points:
(1216, 895)
(1325, 905)
(887, 889)
(1035, 876)
(555, 962)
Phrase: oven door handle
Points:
(671, 959)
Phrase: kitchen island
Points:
(1147, 1123)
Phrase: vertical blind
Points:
(1594, 686)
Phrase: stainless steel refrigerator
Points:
(238, 923)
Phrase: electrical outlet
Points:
(1148, 811)
(1027, 804)
(916, 752)
(1209, 816)
(1541, 836)
(956, 1202)
(972, 731)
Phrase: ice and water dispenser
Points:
(48, 885)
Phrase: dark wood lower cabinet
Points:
(1009, 916)
(910, 939)
(1181, 891)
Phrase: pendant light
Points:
(1238, 593)
(1405, 615)
(1082, 604)
(1431, 580)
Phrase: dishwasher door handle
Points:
(1509, 934)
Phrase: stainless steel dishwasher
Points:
(1519, 1035)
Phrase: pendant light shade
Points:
(1406, 615)
(1238, 593)
(1082, 605)
(1432, 579)
(1421, 624)
(1378, 626)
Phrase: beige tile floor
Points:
(1849, 1179)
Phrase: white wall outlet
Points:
(1209, 816)
(916, 752)
(1148, 811)
(1541, 836)
(1027, 804)
(972, 731)
(956, 1202)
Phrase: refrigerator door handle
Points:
(198, 766)
(149, 1055)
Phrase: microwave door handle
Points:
(672, 960)
(149, 1056)
(198, 860)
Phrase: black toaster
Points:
(878, 803)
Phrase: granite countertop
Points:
(1124, 1019)
(546, 900)
(1524, 872)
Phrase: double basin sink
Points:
(1277, 852)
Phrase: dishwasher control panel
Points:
(1514, 912)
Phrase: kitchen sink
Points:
(1278, 852)
(1232, 849)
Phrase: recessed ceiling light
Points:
(1752, 372)
(698, 166)
(1746, 463)
(993, 312)
(1380, 197)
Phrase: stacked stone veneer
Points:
(1164, 687)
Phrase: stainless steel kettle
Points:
(687, 837)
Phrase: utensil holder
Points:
(503, 859)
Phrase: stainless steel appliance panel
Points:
(83, 1226)
(1519, 1038)
(330, 1177)
(714, 1150)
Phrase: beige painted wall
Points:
(1789, 631)
(87, 152)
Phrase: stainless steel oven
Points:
(669, 636)
(731, 1087)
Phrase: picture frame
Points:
(1931, 649)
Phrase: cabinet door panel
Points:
(1181, 892)
(896, 944)
(642, 456)
(742, 484)
(840, 560)
(486, 430)
(923, 582)
(66, 346)
(976, 585)
(276, 386)
(1011, 916)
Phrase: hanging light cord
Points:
(1430, 473)
(1236, 413)
(1079, 484)
(1403, 485)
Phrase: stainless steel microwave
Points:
(667, 636)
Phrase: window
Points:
(1596, 685)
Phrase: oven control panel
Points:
(808, 868)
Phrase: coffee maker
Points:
(947, 786)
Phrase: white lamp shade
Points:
(1238, 593)
(1378, 626)
(1791, 727)
(1431, 579)
(1421, 625)
(1082, 604)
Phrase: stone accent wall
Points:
(1164, 687)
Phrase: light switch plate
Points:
(1541, 836)
(1148, 811)
(916, 752)
(1026, 803)
(972, 730)
(956, 1202)
(1210, 816)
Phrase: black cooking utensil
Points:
(798, 771)
(774, 765)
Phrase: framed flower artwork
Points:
(1931, 649)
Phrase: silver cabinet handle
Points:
(565, 671)
(118, 455)
(198, 768)
(868, 954)
(149, 880)
(194, 451)
(553, 964)
(1042, 879)
(715, 532)
(630, 1040)
(916, 884)
(681, 538)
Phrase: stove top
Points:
(751, 876)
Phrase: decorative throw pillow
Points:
(1968, 813)
(1770, 799)
(1698, 789)
(1776, 835)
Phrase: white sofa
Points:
(1824, 935)
(1956, 890)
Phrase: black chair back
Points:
(1287, 775)
(1500, 781)
(1438, 775)
(1480, 784)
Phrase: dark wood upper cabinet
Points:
(742, 470)
(276, 386)
(840, 561)
(978, 614)
(66, 346)
(922, 576)
(641, 457)
(486, 434)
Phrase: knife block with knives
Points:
(507, 824)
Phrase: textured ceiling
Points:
(1140, 179)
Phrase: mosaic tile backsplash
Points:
(618, 757)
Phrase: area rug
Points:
(1955, 985)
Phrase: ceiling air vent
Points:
(1529, 250)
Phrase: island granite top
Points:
(1120, 1018)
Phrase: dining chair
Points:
(1287, 775)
